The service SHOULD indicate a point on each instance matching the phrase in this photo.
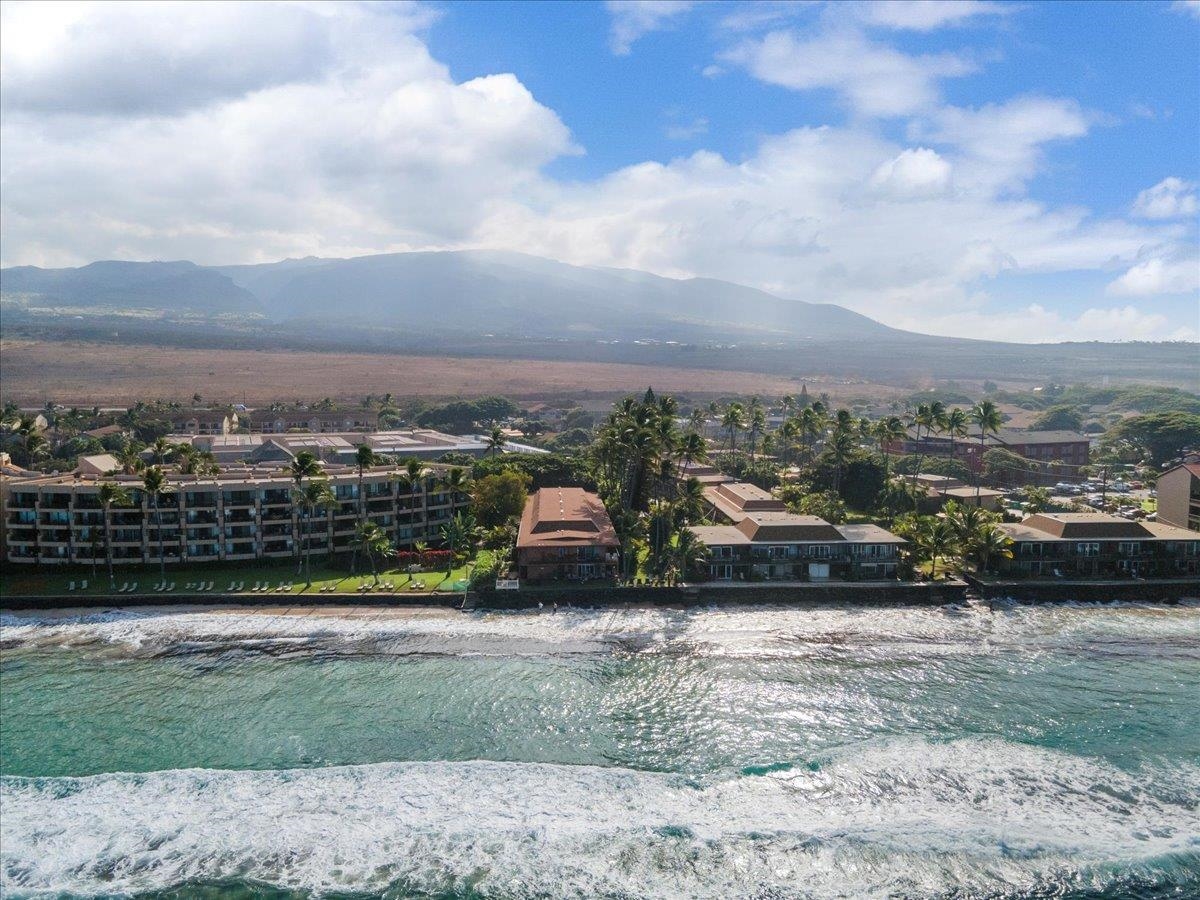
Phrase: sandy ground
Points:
(76, 373)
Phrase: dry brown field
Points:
(78, 373)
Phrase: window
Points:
(1129, 548)
(1087, 549)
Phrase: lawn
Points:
(52, 580)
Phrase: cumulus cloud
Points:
(370, 145)
(1159, 275)
(875, 79)
(1171, 198)
(926, 15)
(1037, 324)
(1188, 7)
(917, 172)
(631, 19)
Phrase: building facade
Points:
(566, 535)
(236, 515)
(1097, 545)
(787, 547)
(1070, 449)
(1179, 496)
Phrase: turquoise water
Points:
(768, 752)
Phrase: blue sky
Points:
(1025, 171)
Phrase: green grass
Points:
(48, 580)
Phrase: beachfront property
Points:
(566, 535)
(783, 546)
(1098, 545)
(1178, 491)
(240, 514)
(1070, 448)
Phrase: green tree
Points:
(313, 495)
(303, 467)
(1036, 500)
(986, 417)
(154, 483)
(373, 541)
(1062, 417)
(495, 440)
(495, 499)
(460, 534)
(111, 494)
(826, 505)
(1156, 437)
(364, 458)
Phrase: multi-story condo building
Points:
(566, 533)
(1096, 545)
(240, 514)
(1179, 496)
(1070, 448)
(788, 547)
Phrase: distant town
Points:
(487, 495)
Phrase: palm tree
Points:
(154, 483)
(688, 554)
(840, 446)
(161, 449)
(757, 423)
(412, 477)
(986, 415)
(131, 460)
(456, 481)
(954, 425)
(312, 496)
(811, 422)
(303, 466)
(364, 458)
(373, 541)
(692, 449)
(691, 502)
(460, 531)
(733, 421)
(111, 494)
(885, 431)
(922, 418)
(935, 539)
(992, 542)
(495, 440)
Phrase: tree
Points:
(934, 540)
(991, 543)
(154, 483)
(826, 505)
(373, 541)
(1063, 417)
(687, 555)
(986, 416)
(1002, 466)
(312, 496)
(495, 499)
(495, 440)
(459, 533)
(692, 449)
(733, 420)
(364, 458)
(111, 494)
(955, 426)
(1036, 500)
(303, 467)
(1157, 437)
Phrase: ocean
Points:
(767, 752)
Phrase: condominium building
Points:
(241, 514)
(566, 533)
(1097, 545)
(1179, 496)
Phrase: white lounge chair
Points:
(133, 587)
(83, 585)
(123, 588)
(172, 587)
(71, 586)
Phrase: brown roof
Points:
(787, 527)
(1084, 526)
(719, 535)
(737, 498)
(565, 517)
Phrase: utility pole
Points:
(1103, 486)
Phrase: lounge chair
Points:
(171, 587)
(124, 587)
(255, 588)
(159, 587)
(83, 585)
(133, 587)
(71, 586)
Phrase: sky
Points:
(1014, 171)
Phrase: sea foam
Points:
(898, 817)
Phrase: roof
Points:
(100, 462)
(1020, 436)
(869, 534)
(104, 431)
(970, 492)
(735, 499)
(1191, 467)
(719, 535)
(1092, 526)
(565, 517)
(786, 527)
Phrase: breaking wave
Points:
(902, 817)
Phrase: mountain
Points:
(129, 285)
(461, 292)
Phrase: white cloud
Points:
(1189, 7)
(393, 154)
(1171, 275)
(915, 173)
(1035, 324)
(1171, 198)
(631, 19)
(876, 80)
(926, 15)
